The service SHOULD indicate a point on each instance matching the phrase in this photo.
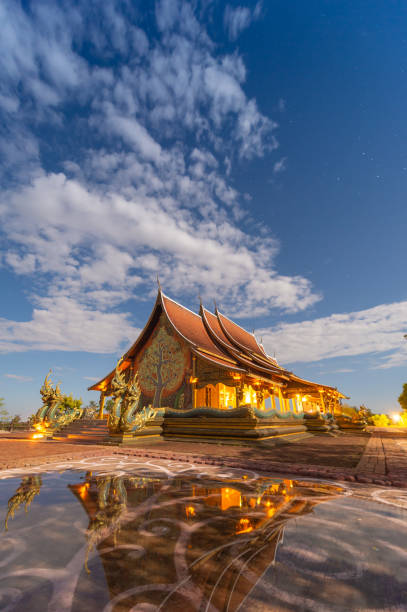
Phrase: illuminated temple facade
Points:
(206, 366)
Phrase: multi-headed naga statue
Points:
(129, 405)
(50, 399)
(118, 389)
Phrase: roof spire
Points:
(158, 283)
(216, 307)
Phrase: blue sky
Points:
(251, 153)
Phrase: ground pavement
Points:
(380, 458)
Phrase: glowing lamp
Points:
(190, 511)
(193, 379)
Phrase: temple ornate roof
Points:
(216, 339)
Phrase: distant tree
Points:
(403, 398)
(91, 409)
(109, 406)
(69, 403)
(381, 420)
(1, 401)
(350, 411)
(14, 421)
(365, 414)
(4, 415)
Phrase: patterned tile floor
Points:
(121, 533)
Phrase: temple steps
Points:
(84, 431)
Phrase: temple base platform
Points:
(238, 425)
(347, 425)
(152, 430)
(317, 424)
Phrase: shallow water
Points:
(103, 534)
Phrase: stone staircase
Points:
(84, 431)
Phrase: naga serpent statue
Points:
(132, 416)
(53, 414)
(118, 389)
(50, 399)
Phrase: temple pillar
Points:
(273, 400)
(321, 394)
(101, 404)
(194, 392)
(281, 400)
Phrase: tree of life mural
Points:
(162, 366)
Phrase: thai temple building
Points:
(202, 375)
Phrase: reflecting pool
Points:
(133, 535)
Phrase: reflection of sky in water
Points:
(161, 536)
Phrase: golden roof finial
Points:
(158, 283)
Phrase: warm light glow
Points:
(193, 379)
(230, 498)
(38, 435)
(83, 489)
(304, 399)
(236, 377)
(244, 526)
(271, 512)
(395, 417)
(190, 511)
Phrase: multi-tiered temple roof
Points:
(214, 338)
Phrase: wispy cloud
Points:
(377, 331)
(91, 378)
(18, 377)
(162, 119)
(279, 165)
(239, 18)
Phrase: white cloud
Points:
(280, 165)
(377, 331)
(62, 324)
(239, 18)
(140, 184)
(18, 377)
(103, 241)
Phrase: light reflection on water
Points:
(194, 540)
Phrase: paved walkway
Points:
(379, 459)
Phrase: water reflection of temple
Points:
(187, 542)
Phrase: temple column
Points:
(101, 404)
(273, 400)
(321, 395)
(281, 400)
(193, 381)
